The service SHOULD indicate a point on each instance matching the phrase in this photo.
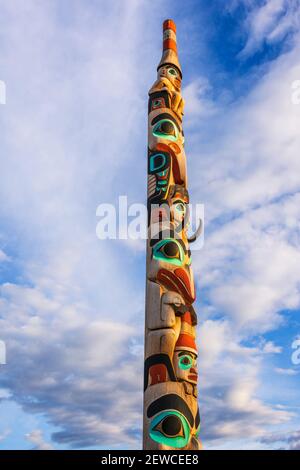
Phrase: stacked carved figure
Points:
(171, 414)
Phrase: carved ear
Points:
(198, 232)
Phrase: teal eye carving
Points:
(157, 103)
(157, 162)
(185, 362)
(169, 250)
(180, 207)
(166, 129)
(173, 72)
(171, 429)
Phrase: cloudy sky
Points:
(73, 135)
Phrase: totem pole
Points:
(171, 415)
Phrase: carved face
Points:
(171, 73)
(185, 365)
(179, 208)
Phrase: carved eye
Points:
(166, 129)
(173, 72)
(180, 207)
(157, 162)
(158, 103)
(170, 428)
(169, 250)
(185, 362)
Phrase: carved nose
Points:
(193, 371)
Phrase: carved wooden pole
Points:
(171, 415)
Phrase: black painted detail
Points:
(170, 402)
(158, 359)
(162, 116)
(158, 95)
(197, 419)
(171, 426)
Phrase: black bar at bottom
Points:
(136, 459)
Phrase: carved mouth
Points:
(178, 281)
(193, 377)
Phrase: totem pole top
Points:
(169, 55)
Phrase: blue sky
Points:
(73, 135)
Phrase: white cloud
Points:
(289, 440)
(246, 171)
(248, 179)
(230, 387)
(270, 348)
(198, 101)
(36, 438)
(250, 266)
(269, 22)
(4, 434)
(3, 257)
(78, 370)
